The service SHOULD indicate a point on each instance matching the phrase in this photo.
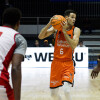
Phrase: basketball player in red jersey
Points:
(62, 68)
(12, 49)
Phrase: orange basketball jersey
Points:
(62, 49)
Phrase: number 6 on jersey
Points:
(61, 51)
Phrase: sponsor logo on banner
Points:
(42, 57)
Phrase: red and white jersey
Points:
(62, 49)
(7, 47)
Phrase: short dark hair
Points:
(11, 16)
(67, 12)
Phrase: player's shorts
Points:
(6, 92)
(61, 71)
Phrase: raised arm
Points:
(46, 31)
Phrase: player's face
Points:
(71, 19)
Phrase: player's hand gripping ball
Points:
(56, 22)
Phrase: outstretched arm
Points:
(96, 70)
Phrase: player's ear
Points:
(17, 25)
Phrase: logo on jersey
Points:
(62, 43)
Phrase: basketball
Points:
(56, 22)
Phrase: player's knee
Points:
(67, 88)
(67, 92)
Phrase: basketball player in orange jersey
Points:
(96, 70)
(12, 49)
(62, 68)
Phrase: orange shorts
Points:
(61, 71)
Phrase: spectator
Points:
(36, 43)
(46, 43)
(81, 44)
